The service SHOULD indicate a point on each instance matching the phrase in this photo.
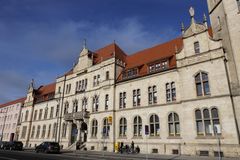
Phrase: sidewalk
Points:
(143, 156)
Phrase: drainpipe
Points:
(231, 97)
(61, 109)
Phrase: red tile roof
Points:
(43, 90)
(108, 52)
(163, 51)
(20, 100)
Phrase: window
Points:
(54, 134)
(57, 111)
(26, 115)
(106, 127)
(51, 112)
(84, 104)
(75, 106)
(68, 88)
(107, 75)
(45, 113)
(196, 47)
(81, 85)
(160, 66)
(66, 106)
(122, 100)
(106, 101)
(137, 126)
(154, 125)
(24, 131)
(64, 130)
(38, 131)
(33, 132)
(123, 127)
(95, 103)
(94, 81)
(207, 122)
(173, 124)
(94, 128)
(49, 131)
(43, 131)
(98, 79)
(152, 95)
(40, 114)
(202, 84)
(170, 92)
(130, 73)
(136, 97)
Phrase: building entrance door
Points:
(84, 130)
(74, 133)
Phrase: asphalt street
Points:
(93, 155)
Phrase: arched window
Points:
(197, 47)
(208, 124)
(137, 126)
(202, 84)
(33, 131)
(40, 114)
(49, 131)
(154, 125)
(123, 127)
(54, 130)
(46, 113)
(75, 106)
(38, 131)
(95, 103)
(106, 128)
(94, 128)
(35, 115)
(43, 131)
(84, 104)
(173, 124)
(64, 130)
(66, 106)
(26, 115)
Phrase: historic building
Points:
(179, 97)
(9, 119)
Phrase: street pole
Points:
(218, 143)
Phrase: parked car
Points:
(48, 147)
(4, 145)
(16, 145)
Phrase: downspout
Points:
(231, 97)
(60, 108)
(114, 110)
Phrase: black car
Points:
(16, 145)
(4, 145)
(48, 147)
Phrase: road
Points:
(91, 155)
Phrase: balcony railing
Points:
(76, 116)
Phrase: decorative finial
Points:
(205, 20)
(31, 86)
(191, 11)
(114, 41)
(182, 27)
(84, 43)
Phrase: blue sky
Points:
(41, 39)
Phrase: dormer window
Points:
(130, 73)
(160, 66)
(197, 47)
